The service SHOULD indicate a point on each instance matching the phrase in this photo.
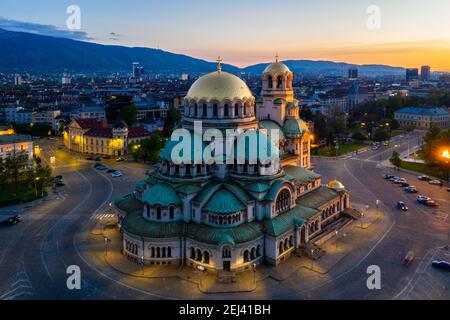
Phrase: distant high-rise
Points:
(137, 70)
(412, 74)
(353, 73)
(17, 80)
(425, 73)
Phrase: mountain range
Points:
(20, 51)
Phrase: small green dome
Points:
(295, 127)
(223, 201)
(161, 194)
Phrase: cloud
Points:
(42, 29)
(114, 36)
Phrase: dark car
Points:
(388, 176)
(60, 184)
(441, 265)
(424, 178)
(411, 189)
(423, 199)
(13, 221)
(97, 159)
(111, 171)
(402, 206)
(59, 177)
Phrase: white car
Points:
(116, 174)
(435, 182)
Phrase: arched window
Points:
(196, 110)
(192, 253)
(236, 110)
(158, 252)
(215, 110)
(199, 255)
(169, 252)
(244, 109)
(163, 252)
(206, 257)
(283, 202)
(153, 252)
(246, 256)
(158, 213)
(281, 249)
(258, 251)
(172, 212)
(148, 210)
(226, 253)
(226, 111)
(205, 110)
(279, 82)
(253, 254)
(270, 82)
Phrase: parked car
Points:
(120, 159)
(60, 184)
(388, 176)
(402, 206)
(441, 265)
(404, 184)
(431, 203)
(411, 189)
(400, 181)
(111, 170)
(97, 159)
(116, 174)
(435, 182)
(409, 259)
(101, 167)
(424, 178)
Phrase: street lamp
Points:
(336, 233)
(312, 259)
(378, 207)
(254, 273)
(106, 246)
(362, 216)
(35, 187)
(446, 157)
(142, 264)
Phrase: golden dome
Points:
(277, 67)
(336, 184)
(220, 86)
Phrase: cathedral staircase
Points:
(353, 213)
(311, 251)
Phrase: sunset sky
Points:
(244, 32)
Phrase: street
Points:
(35, 254)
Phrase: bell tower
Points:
(277, 92)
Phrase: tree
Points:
(320, 126)
(172, 119)
(395, 159)
(14, 164)
(148, 149)
(129, 114)
(381, 135)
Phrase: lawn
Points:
(23, 193)
(424, 169)
(343, 149)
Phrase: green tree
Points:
(14, 164)
(395, 159)
(147, 149)
(320, 126)
(381, 135)
(129, 114)
(173, 118)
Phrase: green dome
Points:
(223, 201)
(161, 194)
(295, 127)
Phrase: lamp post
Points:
(336, 233)
(254, 273)
(35, 186)
(362, 216)
(378, 207)
(142, 264)
(312, 259)
(106, 246)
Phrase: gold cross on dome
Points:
(219, 64)
(276, 58)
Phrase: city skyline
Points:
(245, 34)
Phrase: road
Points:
(34, 255)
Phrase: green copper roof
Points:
(318, 197)
(295, 127)
(188, 188)
(216, 236)
(272, 125)
(135, 224)
(258, 187)
(206, 192)
(161, 194)
(289, 220)
(274, 189)
(223, 201)
(238, 191)
(301, 175)
(140, 185)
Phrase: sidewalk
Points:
(338, 251)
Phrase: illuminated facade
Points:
(231, 217)
(11, 145)
(90, 136)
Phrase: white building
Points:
(12, 144)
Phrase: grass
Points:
(343, 149)
(11, 195)
(424, 169)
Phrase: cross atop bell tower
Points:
(219, 64)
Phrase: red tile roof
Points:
(99, 132)
(88, 123)
(137, 132)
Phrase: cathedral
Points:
(232, 217)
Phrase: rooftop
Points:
(424, 111)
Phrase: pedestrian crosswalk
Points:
(103, 216)
(440, 214)
(21, 287)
